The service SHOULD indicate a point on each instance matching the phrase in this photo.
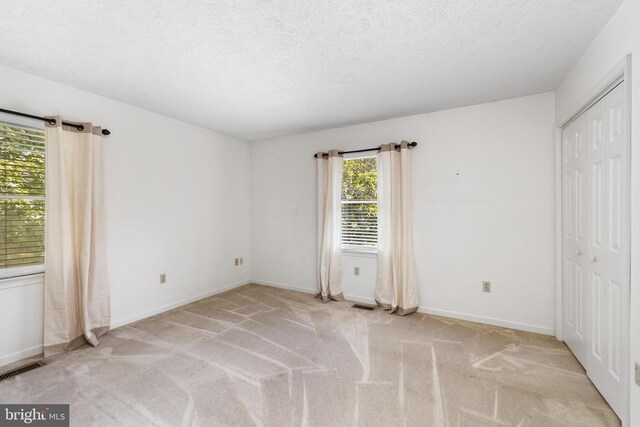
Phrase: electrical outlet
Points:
(241, 261)
(356, 271)
(638, 373)
(163, 278)
(237, 261)
(486, 286)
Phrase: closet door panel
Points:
(574, 139)
(608, 249)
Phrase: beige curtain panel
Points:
(329, 226)
(396, 284)
(76, 291)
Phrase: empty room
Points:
(320, 213)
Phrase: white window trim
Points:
(10, 273)
(29, 274)
(20, 281)
(361, 155)
(22, 121)
(360, 250)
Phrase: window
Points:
(21, 200)
(360, 204)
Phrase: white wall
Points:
(483, 209)
(619, 37)
(177, 202)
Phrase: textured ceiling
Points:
(260, 68)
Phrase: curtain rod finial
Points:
(106, 132)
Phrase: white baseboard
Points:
(38, 349)
(35, 350)
(357, 298)
(284, 286)
(488, 320)
(436, 312)
(349, 297)
(167, 307)
(22, 354)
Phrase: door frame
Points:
(621, 72)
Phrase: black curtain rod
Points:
(411, 144)
(51, 121)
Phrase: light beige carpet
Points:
(264, 356)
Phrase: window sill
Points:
(15, 282)
(367, 253)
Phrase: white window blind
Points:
(359, 204)
(22, 174)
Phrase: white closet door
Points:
(608, 249)
(574, 219)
